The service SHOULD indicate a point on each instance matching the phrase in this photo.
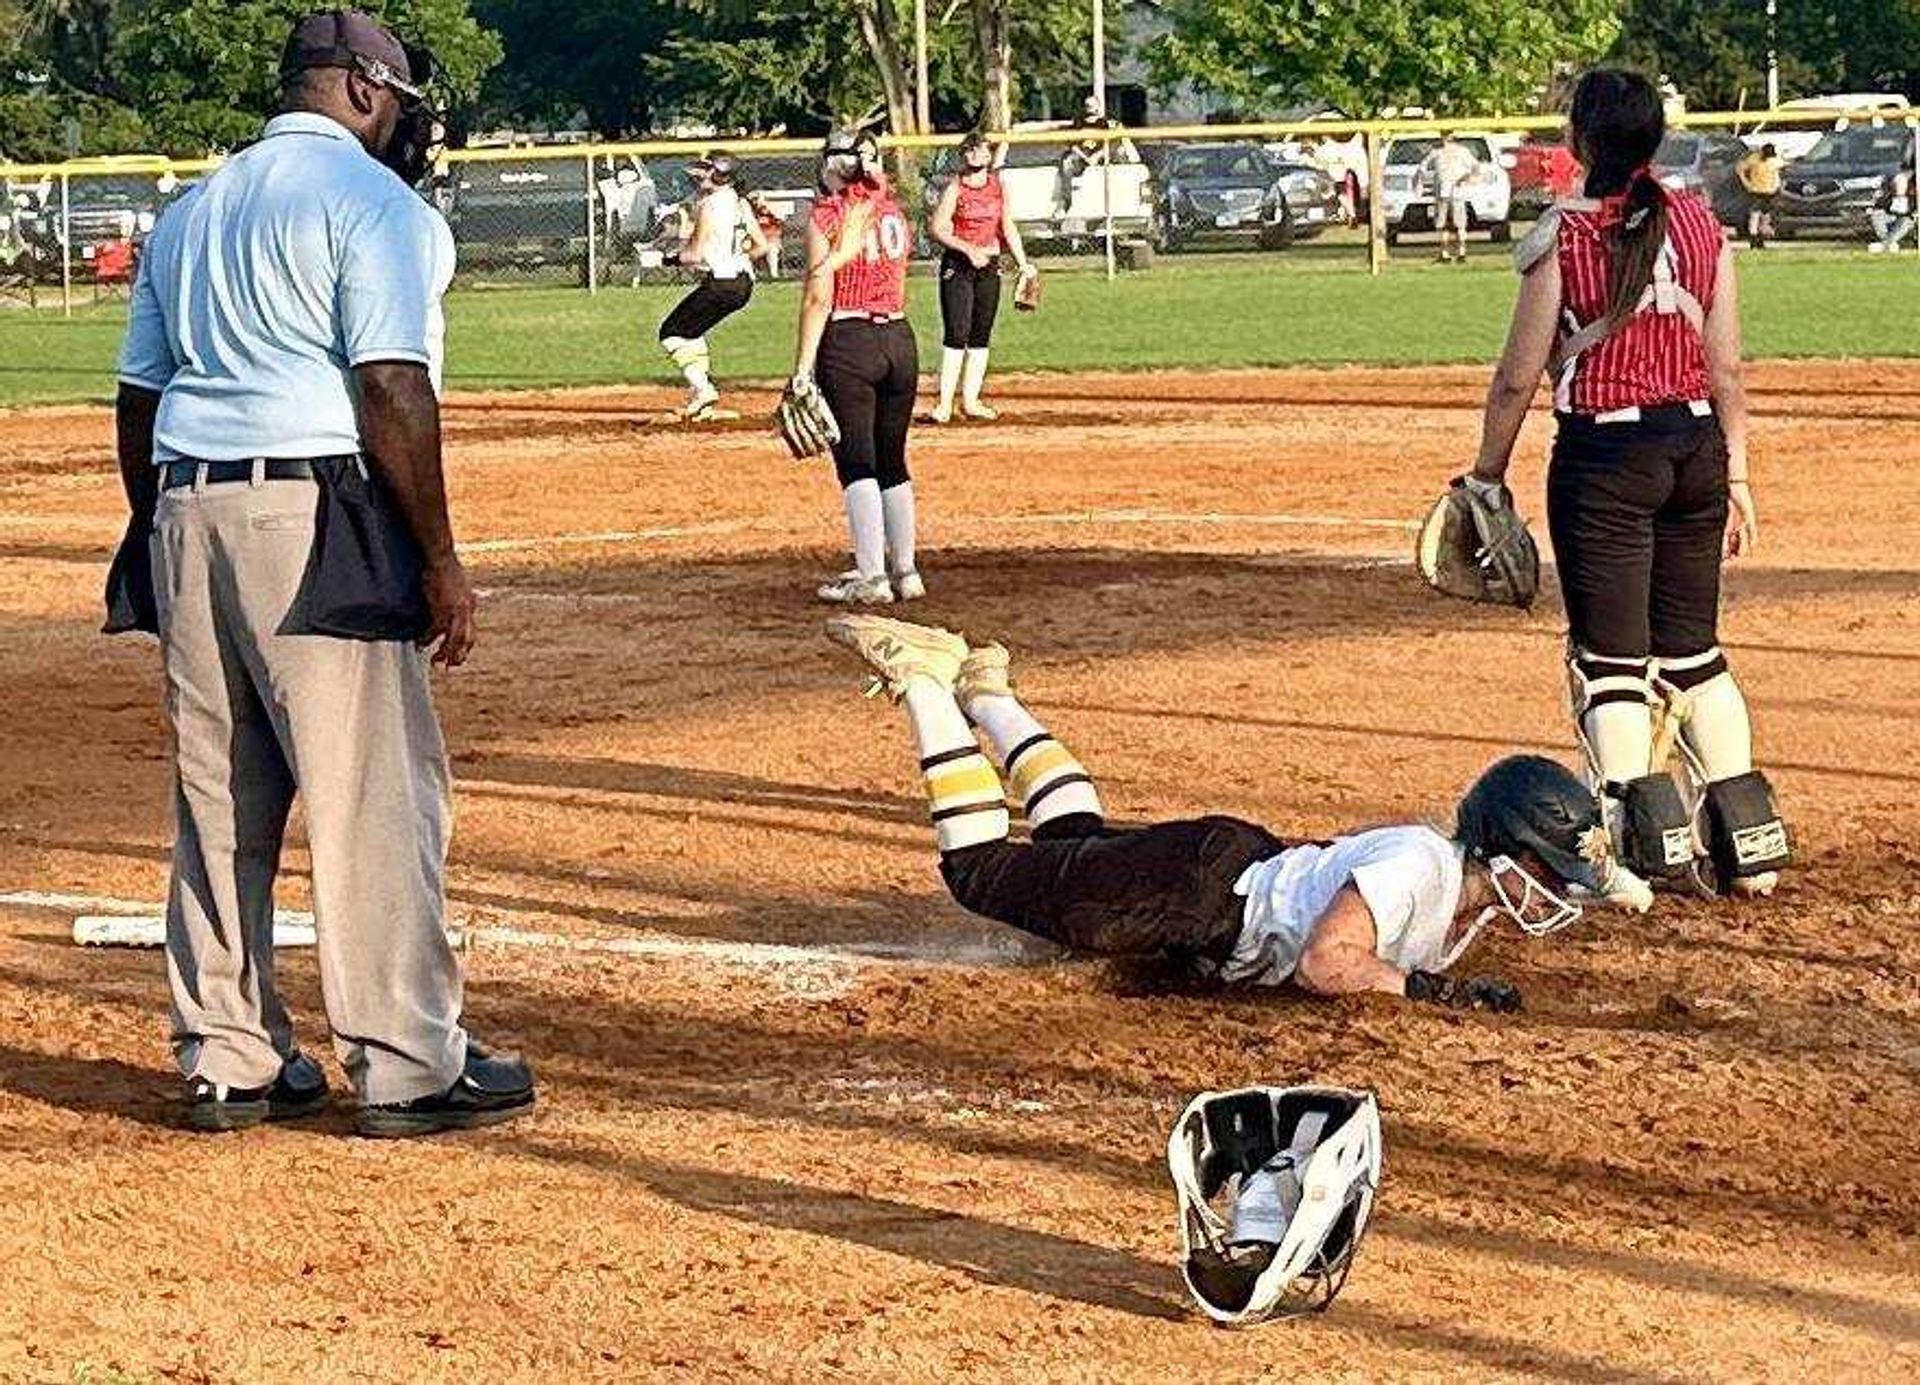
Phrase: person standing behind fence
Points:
(1892, 212)
(719, 245)
(1760, 175)
(283, 355)
(1628, 302)
(1448, 169)
(972, 221)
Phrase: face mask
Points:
(417, 133)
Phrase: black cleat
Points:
(491, 1089)
(300, 1090)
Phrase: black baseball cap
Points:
(347, 38)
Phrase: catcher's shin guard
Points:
(1612, 703)
(1711, 711)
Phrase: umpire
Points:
(280, 375)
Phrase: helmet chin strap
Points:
(1530, 904)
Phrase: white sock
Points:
(952, 358)
(1042, 773)
(975, 374)
(867, 525)
(896, 502)
(1719, 729)
(699, 379)
(963, 792)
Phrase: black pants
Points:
(969, 301)
(870, 373)
(1138, 891)
(711, 302)
(1638, 514)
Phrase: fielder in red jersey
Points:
(1628, 301)
(972, 221)
(857, 346)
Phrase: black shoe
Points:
(490, 1090)
(299, 1090)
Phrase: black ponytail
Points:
(1618, 122)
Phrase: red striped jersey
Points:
(875, 281)
(1656, 358)
(977, 213)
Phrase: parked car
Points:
(1706, 163)
(518, 213)
(1238, 191)
(1832, 190)
(1407, 195)
(1544, 171)
(1795, 141)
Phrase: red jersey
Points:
(875, 282)
(977, 213)
(1659, 356)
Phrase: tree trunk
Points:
(879, 26)
(993, 33)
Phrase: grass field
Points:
(1201, 313)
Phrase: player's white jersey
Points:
(720, 223)
(1410, 878)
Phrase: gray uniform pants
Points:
(257, 714)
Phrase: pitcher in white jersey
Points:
(1387, 909)
(721, 243)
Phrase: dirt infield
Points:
(818, 1124)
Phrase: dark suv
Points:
(1830, 190)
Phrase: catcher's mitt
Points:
(1475, 545)
(806, 424)
(1026, 293)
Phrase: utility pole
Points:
(1773, 55)
(922, 98)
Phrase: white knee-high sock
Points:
(1718, 727)
(974, 377)
(896, 502)
(867, 526)
(952, 359)
(1044, 775)
(691, 354)
(963, 791)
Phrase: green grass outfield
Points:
(1199, 312)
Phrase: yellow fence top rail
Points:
(1263, 130)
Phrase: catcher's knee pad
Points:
(1654, 838)
(1744, 833)
(1612, 703)
(685, 351)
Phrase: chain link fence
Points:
(590, 216)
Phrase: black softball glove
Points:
(1474, 993)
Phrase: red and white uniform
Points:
(874, 283)
(1660, 355)
(978, 212)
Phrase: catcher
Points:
(1387, 909)
(856, 369)
(973, 221)
(1628, 301)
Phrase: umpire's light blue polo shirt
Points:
(301, 257)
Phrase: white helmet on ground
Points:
(1275, 1186)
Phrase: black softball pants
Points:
(1164, 889)
(711, 303)
(969, 302)
(1638, 516)
(869, 373)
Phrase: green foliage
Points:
(1455, 56)
(207, 71)
(1716, 50)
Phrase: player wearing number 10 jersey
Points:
(856, 343)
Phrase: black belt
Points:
(174, 475)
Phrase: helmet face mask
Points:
(1526, 899)
(1539, 832)
(1275, 1186)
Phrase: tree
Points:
(1716, 50)
(1455, 56)
(205, 72)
